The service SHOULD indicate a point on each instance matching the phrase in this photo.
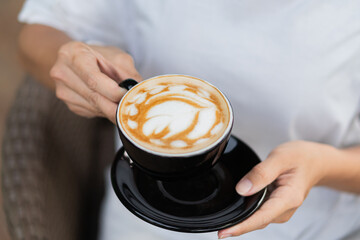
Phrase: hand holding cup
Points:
(87, 77)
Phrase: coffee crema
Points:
(174, 114)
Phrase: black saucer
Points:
(204, 203)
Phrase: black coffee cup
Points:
(170, 165)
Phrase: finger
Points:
(272, 208)
(86, 67)
(110, 71)
(107, 67)
(69, 85)
(64, 75)
(107, 107)
(120, 67)
(259, 177)
(126, 69)
(69, 96)
(82, 111)
(99, 104)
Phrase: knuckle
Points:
(64, 52)
(297, 204)
(93, 98)
(284, 219)
(77, 59)
(124, 58)
(129, 58)
(78, 46)
(264, 222)
(82, 49)
(81, 57)
(280, 220)
(91, 82)
(71, 50)
(264, 225)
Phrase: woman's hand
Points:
(293, 168)
(87, 77)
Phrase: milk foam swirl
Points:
(173, 116)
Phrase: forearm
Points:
(38, 48)
(342, 169)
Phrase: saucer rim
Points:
(262, 194)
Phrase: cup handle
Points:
(128, 83)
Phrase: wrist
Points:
(38, 47)
(341, 169)
(329, 164)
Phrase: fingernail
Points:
(244, 186)
(225, 236)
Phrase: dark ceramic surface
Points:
(164, 167)
(168, 166)
(203, 203)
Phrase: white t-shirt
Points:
(291, 70)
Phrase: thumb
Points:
(259, 177)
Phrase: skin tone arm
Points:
(38, 47)
(294, 168)
(84, 76)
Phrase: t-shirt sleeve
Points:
(82, 20)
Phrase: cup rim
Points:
(187, 154)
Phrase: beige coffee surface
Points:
(174, 114)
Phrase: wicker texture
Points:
(52, 170)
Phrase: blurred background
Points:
(10, 73)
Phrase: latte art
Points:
(174, 114)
